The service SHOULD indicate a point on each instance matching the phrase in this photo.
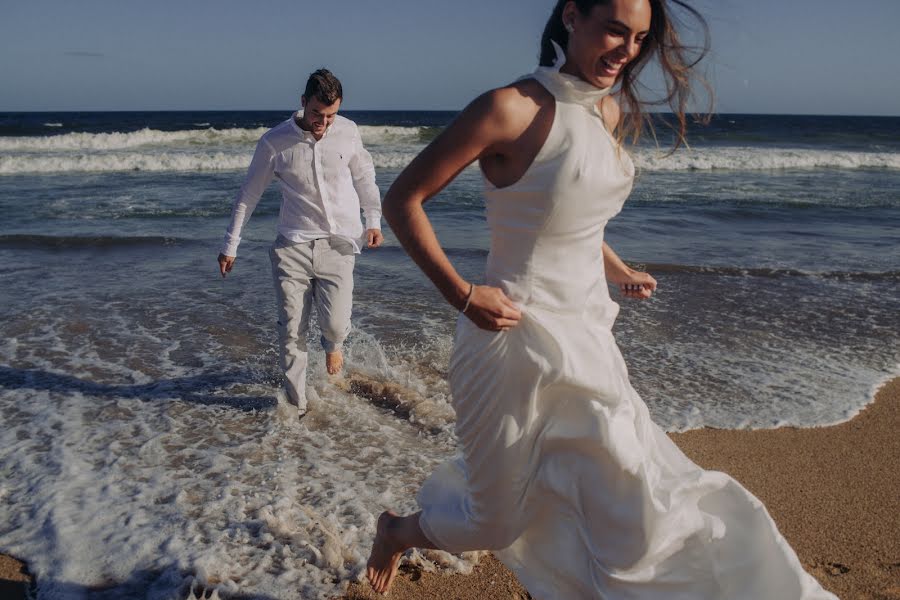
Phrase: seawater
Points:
(143, 452)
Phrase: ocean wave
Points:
(51, 242)
(774, 272)
(385, 134)
(133, 139)
(762, 159)
(392, 160)
(371, 134)
(392, 251)
(392, 147)
(110, 162)
(114, 162)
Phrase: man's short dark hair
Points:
(322, 84)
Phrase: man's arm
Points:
(362, 170)
(259, 175)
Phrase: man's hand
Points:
(373, 238)
(226, 263)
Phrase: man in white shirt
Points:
(326, 178)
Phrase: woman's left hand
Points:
(636, 284)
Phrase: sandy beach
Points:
(834, 492)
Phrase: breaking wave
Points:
(371, 134)
(763, 159)
(392, 147)
(109, 162)
(121, 141)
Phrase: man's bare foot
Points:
(385, 557)
(334, 362)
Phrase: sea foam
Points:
(761, 159)
(139, 473)
(133, 139)
(110, 162)
(122, 161)
(371, 134)
(391, 148)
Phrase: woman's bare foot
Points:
(334, 362)
(385, 557)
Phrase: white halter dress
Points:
(562, 473)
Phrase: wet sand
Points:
(14, 578)
(834, 492)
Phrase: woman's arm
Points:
(482, 129)
(632, 284)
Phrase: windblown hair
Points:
(322, 84)
(677, 62)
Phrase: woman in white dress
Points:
(562, 473)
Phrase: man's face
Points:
(318, 116)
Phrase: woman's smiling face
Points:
(602, 42)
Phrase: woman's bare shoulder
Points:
(523, 94)
(513, 106)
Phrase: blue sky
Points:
(769, 56)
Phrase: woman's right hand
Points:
(490, 309)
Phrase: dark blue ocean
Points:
(138, 388)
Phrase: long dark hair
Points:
(677, 62)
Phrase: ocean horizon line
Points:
(416, 110)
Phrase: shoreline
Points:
(834, 492)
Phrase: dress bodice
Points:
(547, 228)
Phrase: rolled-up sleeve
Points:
(259, 175)
(362, 169)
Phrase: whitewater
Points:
(392, 147)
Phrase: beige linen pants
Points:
(320, 272)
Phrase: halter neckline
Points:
(568, 88)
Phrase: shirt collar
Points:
(307, 135)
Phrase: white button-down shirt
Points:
(324, 183)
